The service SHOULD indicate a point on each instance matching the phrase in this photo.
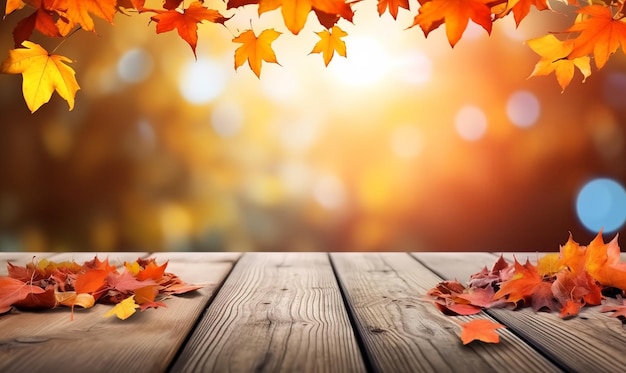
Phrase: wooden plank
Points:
(592, 342)
(277, 312)
(403, 334)
(49, 341)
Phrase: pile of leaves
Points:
(564, 282)
(45, 284)
(597, 31)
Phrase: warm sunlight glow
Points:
(202, 81)
(368, 62)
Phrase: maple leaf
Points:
(125, 282)
(554, 58)
(123, 309)
(549, 264)
(573, 291)
(330, 41)
(521, 8)
(392, 6)
(527, 285)
(602, 262)
(481, 330)
(44, 300)
(455, 14)
(78, 12)
(618, 310)
(481, 297)
(90, 281)
(13, 290)
(255, 50)
(13, 5)
(42, 19)
(600, 34)
(185, 22)
(42, 74)
(146, 294)
(296, 12)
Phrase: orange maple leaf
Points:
(13, 5)
(296, 12)
(600, 34)
(392, 6)
(42, 74)
(186, 22)
(255, 50)
(455, 14)
(13, 291)
(527, 285)
(480, 330)
(602, 262)
(79, 12)
(554, 58)
(330, 41)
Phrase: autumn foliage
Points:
(564, 282)
(45, 284)
(598, 31)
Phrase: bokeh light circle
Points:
(202, 81)
(601, 204)
(134, 66)
(471, 123)
(523, 109)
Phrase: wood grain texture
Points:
(277, 312)
(403, 334)
(592, 342)
(49, 341)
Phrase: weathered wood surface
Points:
(401, 333)
(591, 342)
(277, 312)
(303, 312)
(51, 342)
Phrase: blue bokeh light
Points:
(601, 204)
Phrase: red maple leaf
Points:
(185, 21)
(480, 330)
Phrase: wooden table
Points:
(304, 312)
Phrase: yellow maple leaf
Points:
(42, 74)
(549, 264)
(123, 309)
(330, 41)
(554, 57)
(255, 50)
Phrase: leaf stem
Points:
(65, 38)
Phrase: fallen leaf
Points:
(42, 74)
(13, 290)
(480, 330)
(123, 309)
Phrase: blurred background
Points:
(406, 145)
